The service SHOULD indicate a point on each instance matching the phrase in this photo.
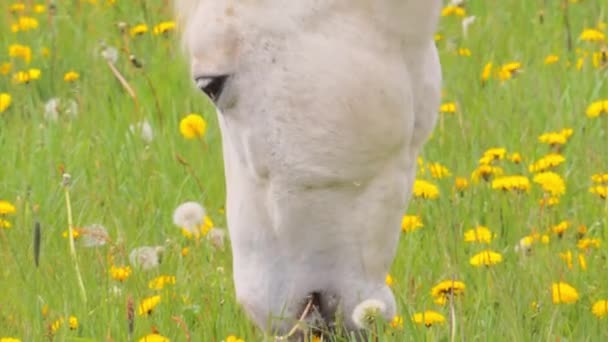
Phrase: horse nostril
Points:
(212, 85)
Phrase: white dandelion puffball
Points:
(143, 129)
(51, 109)
(56, 106)
(146, 257)
(110, 54)
(217, 236)
(367, 311)
(94, 235)
(189, 216)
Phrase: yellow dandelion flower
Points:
(556, 138)
(479, 234)
(550, 201)
(438, 37)
(24, 24)
(596, 108)
(582, 261)
(438, 171)
(563, 293)
(600, 190)
(448, 107)
(22, 77)
(389, 280)
(551, 59)
(464, 52)
(600, 59)
(486, 172)
(159, 282)
(545, 239)
(185, 251)
(138, 30)
(39, 8)
(486, 72)
(120, 273)
(600, 178)
(448, 288)
(75, 233)
(424, 189)
(461, 183)
(9, 339)
(547, 162)
(511, 183)
(16, 7)
(71, 76)
(551, 183)
(5, 224)
(5, 68)
(588, 243)
(193, 126)
(515, 158)
(592, 35)
(233, 338)
(154, 338)
(486, 258)
(397, 322)
(560, 228)
(5, 102)
(411, 223)
(20, 51)
(509, 70)
(163, 27)
(600, 308)
(567, 258)
(7, 208)
(56, 325)
(492, 154)
(456, 11)
(428, 318)
(147, 305)
(73, 323)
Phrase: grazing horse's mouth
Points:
(212, 86)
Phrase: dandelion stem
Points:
(68, 205)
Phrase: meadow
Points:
(103, 136)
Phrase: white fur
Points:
(329, 104)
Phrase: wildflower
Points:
(600, 308)
(17, 7)
(442, 291)
(73, 322)
(232, 338)
(425, 190)
(39, 9)
(24, 24)
(75, 233)
(389, 280)
(397, 322)
(155, 337)
(451, 10)
(146, 257)
(547, 162)
(164, 27)
(56, 325)
(193, 126)
(592, 35)
(596, 108)
(110, 54)
(600, 178)
(23, 77)
(9, 339)
(428, 318)
(159, 282)
(588, 243)
(461, 183)
(147, 305)
(144, 129)
(189, 216)
(551, 59)
(5, 102)
(560, 228)
(486, 172)
(20, 51)
(556, 138)
(515, 158)
(465, 52)
(56, 106)
(120, 273)
(449, 107)
(6, 208)
(94, 235)
(551, 183)
(71, 76)
(486, 258)
(5, 68)
(185, 251)
(479, 234)
(366, 312)
(438, 171)
(486, 73)
(601, 191)
(438, 37)
(514, 183)
(138, 30)
(549, 201)
(563, 293)
(215, 235)
(5, 224)
(492, 154)
(507, 71)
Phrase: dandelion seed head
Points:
(189, 216)
(367, 312)
(146, 257)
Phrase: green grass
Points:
(132, 187)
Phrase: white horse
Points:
(324, 106)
